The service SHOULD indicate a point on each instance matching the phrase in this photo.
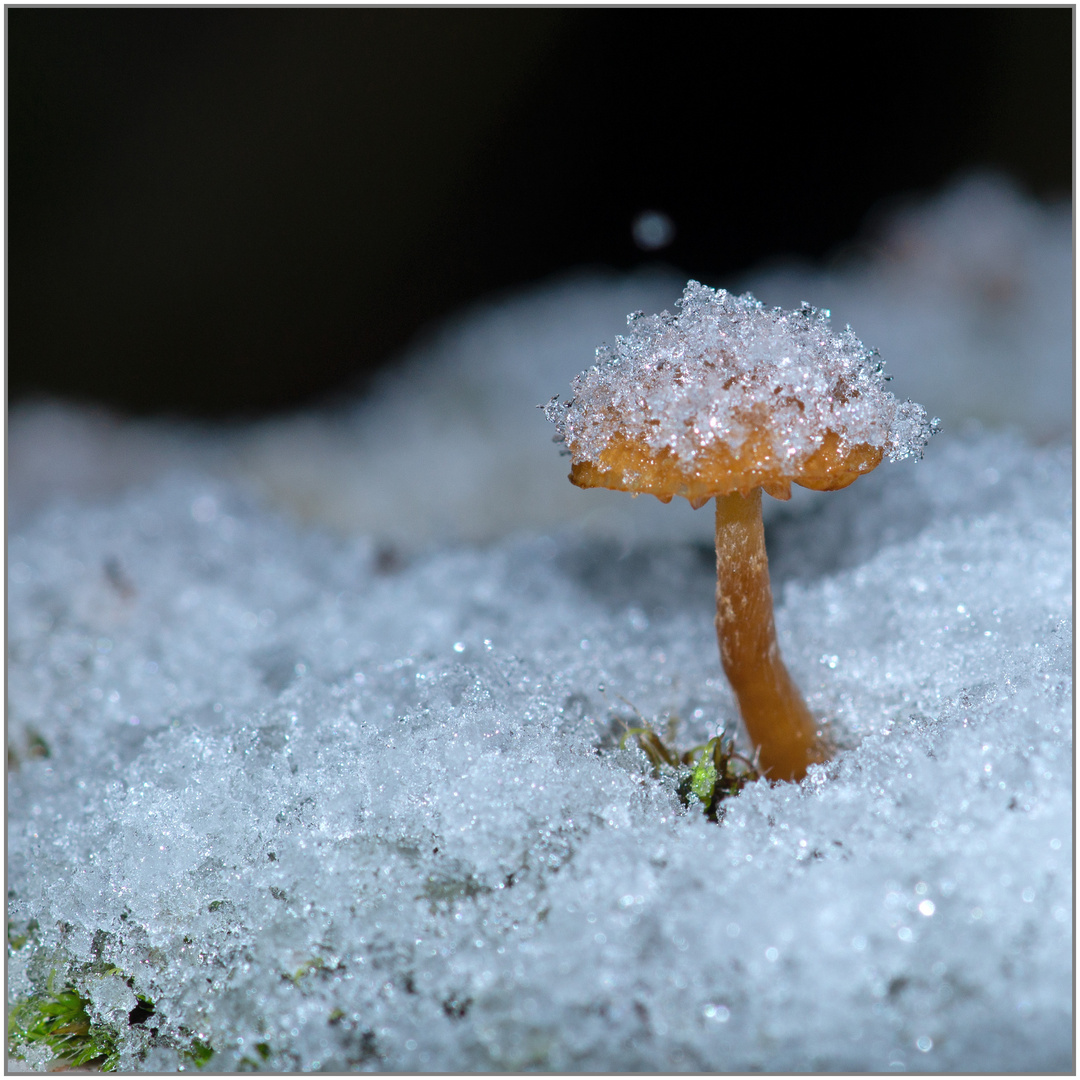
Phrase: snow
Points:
(707, 375)
(352, 797)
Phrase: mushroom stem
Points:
(779, 724)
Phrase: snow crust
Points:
(724, 367)
(376, 816)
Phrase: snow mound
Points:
(329, 809)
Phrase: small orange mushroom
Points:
(723, 400)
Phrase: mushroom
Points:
(723, 400)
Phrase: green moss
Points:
(316, 963)
(199, 1054)
(703, 778)
(20, 936)
(707, 775)
(250, 1064)
(59, 1021)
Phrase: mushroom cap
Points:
(628, 464)
(727, 396)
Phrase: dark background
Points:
(225, 212)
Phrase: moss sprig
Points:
(707, 773)
(60, 1021)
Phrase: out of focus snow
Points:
(967, 296)
(337, 790)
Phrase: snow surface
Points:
(362, 804)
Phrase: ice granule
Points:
(724, 366)
(332, 811)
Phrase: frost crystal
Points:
(715, 370)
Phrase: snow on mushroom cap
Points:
(726, 369)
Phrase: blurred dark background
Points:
(225, 212)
